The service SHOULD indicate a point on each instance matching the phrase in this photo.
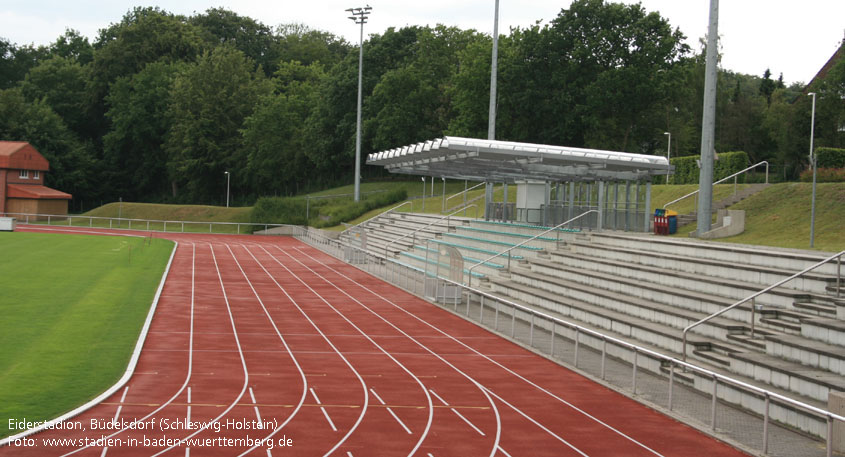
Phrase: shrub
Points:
(830, 158)
(687, 170)
(824, 175)
(322, 212)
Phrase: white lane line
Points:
(240, 353)
(429, 455)
(325, 413)
(391, 411)
(105, 449)
(187, 452)
(503, 452)
(438, 397)
(287, 348)
(329, 342)
(190, 359)
(120, 406)
(478, 385)
(430, 418)
(255, 403)
(269, 454)
(188, 417)
(467, 421)
(408, 430)
(348, 454)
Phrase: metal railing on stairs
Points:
(735, 175)
(377, 216)
(414, 233)
(753, 297)
(508, 250)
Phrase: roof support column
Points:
(616, 206)
(571, 199)
(647, 217)
(636, 206)
(505, 215)
(627, 204)
(488, 201)
(548, 198)
(601, 206)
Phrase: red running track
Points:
(269, 347)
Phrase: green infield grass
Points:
(72, 309)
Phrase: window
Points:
(36, 174)
(24, 174)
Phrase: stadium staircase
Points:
(741, 195)
(646, 289)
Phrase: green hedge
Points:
(824, 175)
(322, 212)
(687, 171)
(830, 158)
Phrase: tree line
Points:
(160, 105)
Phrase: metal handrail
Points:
(378, 215)
(723, 180)
(465, 191)
(672, 361)
(753, 296)
(414, 233)
(508, 250)
(120, 220)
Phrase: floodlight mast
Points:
(359, 16)
(708, 124)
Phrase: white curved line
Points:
(390, 356)
(360, 379)
(585, 413)
(240, 352)
(470, 378)
(295, 362)
(130, 369)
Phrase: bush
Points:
(824, 175)
(322, 212)
(830, 158)
(687, 171)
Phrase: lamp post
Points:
(228, 175)
(359, 16)
(668, 156)
(813, 164)
(423, 194)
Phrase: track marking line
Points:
(504, 452)
(188, 417)
(287, 348)
(255, 405)
(325, 413)
(390, 411)
(468, 422)
(243, 363)
(190, 356)
(478, 385)
(105, 450)
(438, 397)
(269, 454)
(349, 454)
(517, 375)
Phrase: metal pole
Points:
(668, 156)
(494, 66)
(813, 164)
(359, 16)
(708, 124)
(444, 194)
(423, 194)
(228, 177)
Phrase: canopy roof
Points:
(505, 161)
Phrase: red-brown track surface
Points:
(332, 361)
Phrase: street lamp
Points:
(228, 175)
(813, 164)
(359, 16)
(423, 194)
(668, 156)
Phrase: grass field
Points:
(73, 306)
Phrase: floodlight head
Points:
(348, 9)
(666, 133)
(423, 178)
(810, 93)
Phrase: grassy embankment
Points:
(73, 307)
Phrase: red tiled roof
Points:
(19, 155)
(35, 191)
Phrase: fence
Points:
(145, 224)
(697, 395)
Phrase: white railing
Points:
(376, 216)
(587, 349)
(414, 233)
(148, 225)
(462, 193)
(735, 175)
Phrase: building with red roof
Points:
(22, 189)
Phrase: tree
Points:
(274, 135)
(767, 86)
(221, 26)
(62, 84)
(72, 166)
(136, 162)
(209, 103)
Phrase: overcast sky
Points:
(793, 38)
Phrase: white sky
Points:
(793, 38)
